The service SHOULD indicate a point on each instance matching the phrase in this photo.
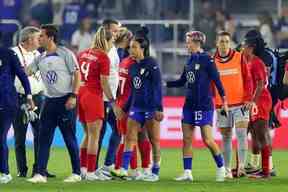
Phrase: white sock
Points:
(227, 150)
(270, 162)
(241, 134)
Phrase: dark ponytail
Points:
(141, 36)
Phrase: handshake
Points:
(28, 115)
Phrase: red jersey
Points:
(258, 72)
(286, 67)
(124, 88)
(93, 63)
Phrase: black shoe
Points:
(49, 175)
(22, 174)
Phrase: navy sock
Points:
(219, 160)
(187, 163)
(126, 159)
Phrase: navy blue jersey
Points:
(9, 68)
(122, 53)
(146, 93)
(198, 75)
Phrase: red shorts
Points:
(91, 106)
(261, 111)
(122, 125)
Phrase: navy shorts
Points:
(141, 117)
(197, 118)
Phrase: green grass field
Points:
(203, 172)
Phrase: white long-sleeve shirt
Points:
(114, 71)
(26, 58)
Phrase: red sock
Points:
(91, 162)
(145, 150)
(118, 158)
(133, 162)
(265, 159)
(83, 157)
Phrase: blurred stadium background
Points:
(168, 20)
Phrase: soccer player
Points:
(9, 68)
(61, 77)
(144, 104)
(199, 72)
(109, 117)
(122, 42)
(260, 104)
(94, 66)
(26, 52)
(233, 76)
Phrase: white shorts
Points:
(236, 114)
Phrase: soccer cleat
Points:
(83, 172)
(251, 169)
(151, 177)
(237, 173)
(37, 179)
(106, 170)
(228, 174)
(4, 178)
(134, 175)
(122, 173)
(74, 178)
(259, 175)
(101, 176)
(220, 174)
(143, 174)
(186, 176)
(91, 176)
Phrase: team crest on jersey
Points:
(51, 77)
(197, 66)
(137, 82)
(190, 76)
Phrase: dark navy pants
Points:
(20, 131)
(114, 139)
(6, 119)
(55, 114)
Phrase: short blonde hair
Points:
(101, 39)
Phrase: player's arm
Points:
(247, 83)
(260, 76)
(73, 67)
(157, 91)
(285, 78)
(214, 75)
(20, 73)
(179, 82)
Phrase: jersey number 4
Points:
(85, 69)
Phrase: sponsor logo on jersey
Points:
(137, 82)
(190, 77)
(51, 77)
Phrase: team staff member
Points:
(61, 77)
(26, 52)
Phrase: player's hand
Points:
(249, 105)
(71, 103)
(225, 109)
(119, 113)
(31, 104)
(159, 116)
